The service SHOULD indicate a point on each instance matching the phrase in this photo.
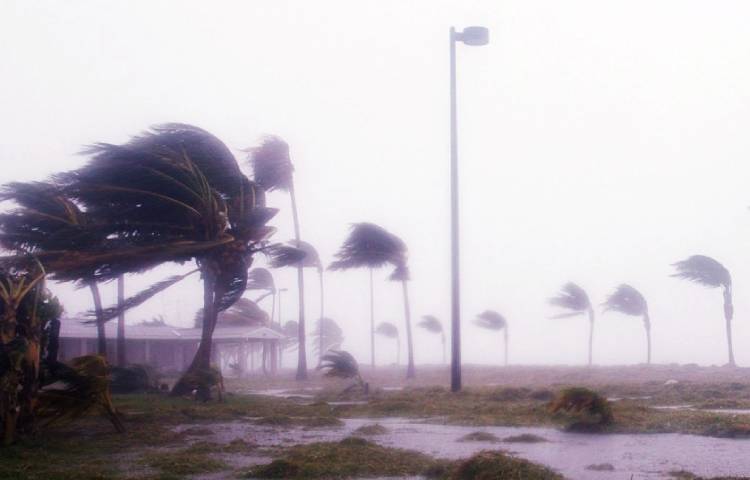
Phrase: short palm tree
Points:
(390, 330)
(708, 272)
(433, 325)
(491, 320)
(330, 336)
(574, 300)
(629, 301)
(273, 170)
(173, 194)
(371, 246)
(262, 280)
(341, 364)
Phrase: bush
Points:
(590, 411)
(134, 379)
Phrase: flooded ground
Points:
(640, 456)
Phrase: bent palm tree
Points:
(708, 272)
(312, 260)
(629, 301)
(433, 325)
(371, 246)
(390, 330)
(491, 320)
(330, 336)
(575, 300)
(173, 194)
(273, 170)
(341, 364)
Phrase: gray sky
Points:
(599, 142)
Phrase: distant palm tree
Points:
(390, 330)
(330, 336)
(273, 170)
(433, 325)
(629, 301)
(261, 279)
(312, 260)
(708, 272)
(371, 246)
(491, 320)
(575, 300)
(341, 364)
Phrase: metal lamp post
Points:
(474, 36)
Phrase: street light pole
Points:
(470, 36)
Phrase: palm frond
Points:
(400, 274)
(260, 279)
(332, 335)
(371, 246)
(571, 297)
(339, 364)
(491, 320)
(703, 270)
(280, 255)
(627, 300)
(387, 329)
(431, 324)
(312, 259)
(271, 164)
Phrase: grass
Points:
(479, 437)
(489, 465)
(524, 438)
(375, 429)
(183, 462)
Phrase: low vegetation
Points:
(490, 465)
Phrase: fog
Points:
(599, 143)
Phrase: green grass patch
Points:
(183, 462)
(369, 430)
(479, 437)
(524, 438)
(489, 465)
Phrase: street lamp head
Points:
(474, 36)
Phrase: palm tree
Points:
(330, 336)
(273, 170)
(390, 330)
(708, 272)
(371, 246)
(122, 358)
(173, 194)
(341, 364)
(629, 301)
(312, 260)
(46, 220)
(433, 325)
(261, 279)
(575, 301)
(491, 320)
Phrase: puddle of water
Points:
(645, 456)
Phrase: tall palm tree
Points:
(629, 301)
(173, 194)
(122, 357)
(433, 325)
(371, 246)
(261, 279)
(575, 301)
(330, 336)
(491, 320)
(708, 272)
(312, 260)
(47, 220)
(273, 170)
(390, 330)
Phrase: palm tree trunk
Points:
(372, 321)
(410, 373)
(442, 339)
(728, 314)
(505, 339)
(101, 334)
(202, 359)
(398, 350)
(591, 336)
(273, 307)
(322, 314)
(647, 325)
(121, 354)
(302, 359)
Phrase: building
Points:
(170, 349)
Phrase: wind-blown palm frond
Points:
(243, 313)
(290, 330)
(572, 298)
(387, 329)
(370, 246)
(260, 279)
(491, 320)
(400, 274)
(339, 364)
(280, 256)
(431, 324)
(271, 164)
(703, 270)
(332, 335)
(627, 300)
(311, 259)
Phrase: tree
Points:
(371, 246)
(491, 320)
(173, 194)
(330, 336)
(390, 330)
(312, 260)
(341, 364)
(629, 301)
(433, 325)
(273, 170)
(708, 272)
(47, 220)
(575, 301)
(261, 279)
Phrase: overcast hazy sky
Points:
(600, 142)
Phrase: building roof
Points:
(75, 328)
